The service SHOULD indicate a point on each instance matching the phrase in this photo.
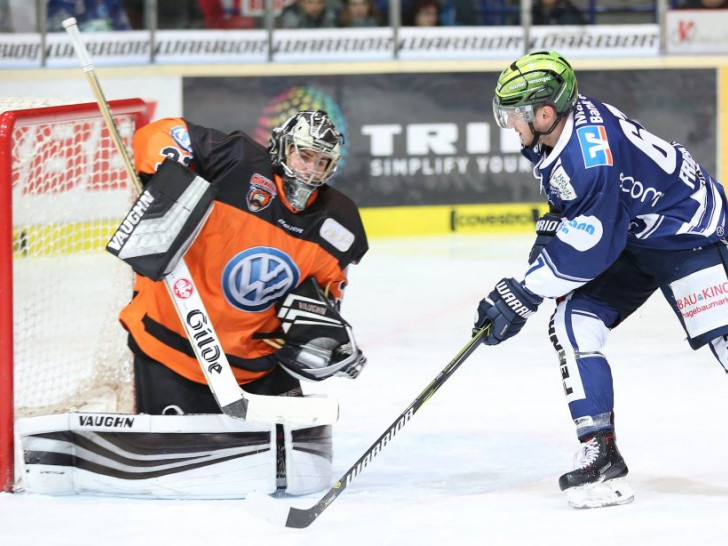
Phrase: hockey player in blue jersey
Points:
(630, 213)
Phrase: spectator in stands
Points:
(422, 13)
(92, 15)
(6, 24)
(556, 12)
(308, 14)
(705, 4)
(360, 13)
(18, 16)
(171, 14)
(457, 13)
(228, 15)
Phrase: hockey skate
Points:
(598, 478)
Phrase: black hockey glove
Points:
(506, 309)
(546, 228)
(319, 343)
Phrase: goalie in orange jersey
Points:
(268, 244)
(267, 226)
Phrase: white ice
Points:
(479, 463)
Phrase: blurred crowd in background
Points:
(105, 15)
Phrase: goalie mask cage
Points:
(63, 190)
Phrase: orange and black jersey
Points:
(252, 250)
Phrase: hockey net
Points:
(64, 190)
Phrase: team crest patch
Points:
(261, 191)
(594, 146)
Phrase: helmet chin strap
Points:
(538, 134)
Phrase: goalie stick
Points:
(272, 511)
(233, 401)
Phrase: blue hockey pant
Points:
(695, 284)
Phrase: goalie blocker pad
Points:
(169, 456)
(164, 221)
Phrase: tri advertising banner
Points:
(430, 138)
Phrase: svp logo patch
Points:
(594, 146)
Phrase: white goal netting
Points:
(69, 192)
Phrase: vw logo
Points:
(256, 278)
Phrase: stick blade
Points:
(264, 507)
(268, 509)
(237, 409)
(295, 410)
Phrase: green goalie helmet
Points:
(542, 77)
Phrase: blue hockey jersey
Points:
(618, 186)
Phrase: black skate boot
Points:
(598, 478)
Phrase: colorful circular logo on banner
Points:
(291, 101)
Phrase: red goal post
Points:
(63, 190)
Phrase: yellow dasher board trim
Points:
(62, 239)
(444, 219)
(85, 237)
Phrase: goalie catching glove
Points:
(319, 343)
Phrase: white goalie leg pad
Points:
(601, 494)
(156, 456)
(308, 456)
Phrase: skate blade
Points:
(599, 495)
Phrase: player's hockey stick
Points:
(233, 401)
(269, 509)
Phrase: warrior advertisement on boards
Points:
(430, 138)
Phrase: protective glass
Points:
(310, 166)
(507, 116)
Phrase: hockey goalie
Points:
(268, 243)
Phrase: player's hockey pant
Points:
(160, 391)
(695, 284)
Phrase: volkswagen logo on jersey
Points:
(594, 146)
(256, 278)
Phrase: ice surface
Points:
(479, 463)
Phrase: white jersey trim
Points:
(545, 280)
(561, 143)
